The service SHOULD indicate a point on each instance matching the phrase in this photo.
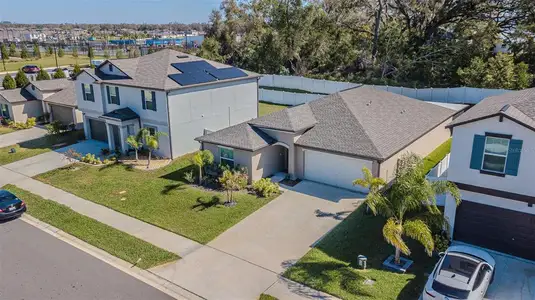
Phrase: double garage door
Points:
(98, 130)
(335, 170)
(495, 228)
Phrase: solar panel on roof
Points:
(193, 66)
(186, 79)
(227, 73)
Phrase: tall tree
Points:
(4, 52)
(36, 51)
(9, 83)
(21, 79)
(12, 49)
(24, 52)
(409, 204)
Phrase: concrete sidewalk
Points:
(20, 136)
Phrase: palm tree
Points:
(410, 192)
(201, 159)
(152, 141)
(134, 142)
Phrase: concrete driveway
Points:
(49, 161)
(514, 279)
(20, 136)
(246, 260)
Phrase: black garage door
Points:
(496, 228)
(98, 130)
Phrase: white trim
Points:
(224, 158)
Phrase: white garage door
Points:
(336, 170)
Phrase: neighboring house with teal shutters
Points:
(493, 164)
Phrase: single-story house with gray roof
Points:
(331, 139)
(18, 105)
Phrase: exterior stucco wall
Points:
(241, 157)
(289, 139)
(422, 147)
(267, 161)
(212, 107)
(94, 108)
(461, 153)
(20, 112)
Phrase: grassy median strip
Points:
(109, 239)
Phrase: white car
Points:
(462, 272)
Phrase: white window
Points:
(226, 156)
(149, 100)
(87, 89)
(113, 94)
(495, 154)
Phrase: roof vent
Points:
(182, 56)
(505, 107)
(369, 103)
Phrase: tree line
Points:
(436, 43)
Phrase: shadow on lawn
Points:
(172, 187)
(53, 141)
(361, 233)
(203, 205)
(178, 175)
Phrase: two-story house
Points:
(178, 94)
(493, 164)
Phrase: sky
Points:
(106, 11)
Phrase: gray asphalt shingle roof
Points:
(519, 105)
(151, 71)
(241, 136)
(52, 85)
(121, 114)
(362, 121)
(16, 95)
(66, 96)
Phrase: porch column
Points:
(122, 129)
(450, 210)
(74, 117)
(87, 130)
(110, 137)
(291, 161)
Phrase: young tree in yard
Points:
(201, 159)
(49, 50)
(152, 141)
(75, 52)
(9, 83)
(59, 74)
(76, 69)
(119, 53)
(43, 74)
(24, 52)
(410, 194)
(21, 79)
(135, 142)
(61, 52)
(232, 181)
(4, 52)
(12, 49)
(36, 51)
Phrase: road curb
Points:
(145, 276)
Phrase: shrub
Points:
(188, 176)
(265, 188)
(21, 79)
(105, 151)
(54, 127)
(30, 122)
(43, 74)
(9, 83)
(91, 159)
(442, 242)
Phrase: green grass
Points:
(109, 239)
(38, 146)
(266, 108)
(298, 91)
(332, 265)
(267, 297)
(431, 160)
(5, 129)
(46, 62)
(159, 197)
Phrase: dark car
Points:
(10, 205)
(31, 69)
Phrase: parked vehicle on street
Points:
(10, 205)
(30, 69)
(462, 272)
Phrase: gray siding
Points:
(241, 157)
(267, 161)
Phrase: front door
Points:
(116, 137)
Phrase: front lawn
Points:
(38, 146)
(332, 265)
(5, 129)
(265, 108)
(109, 239)
(159, 197)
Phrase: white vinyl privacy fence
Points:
(460, 95)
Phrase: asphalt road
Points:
(36, 266)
